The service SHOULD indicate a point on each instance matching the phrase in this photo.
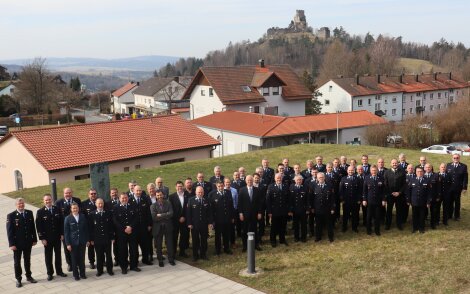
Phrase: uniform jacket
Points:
(443, 186)
(419, 193)
(198, 212)
(298, 199)
(458, 176)
(20, 230)
(165, 220)
(277, 200)
(395, 181)
(373, 190)
(101, 227)
(249, 209)
(222, 207)
(350, 189)
(50, 226)
(123, 216)
(206, 185)
(323, 199)
(64, 207)
(76, 234)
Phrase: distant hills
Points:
(74, 64)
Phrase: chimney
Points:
(450, 75)
(400, 79)
(435, 76)
(357, 79)
(378, 79)
(417, 78)
(261, 62)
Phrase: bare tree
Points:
(383, 55)
(334, 61)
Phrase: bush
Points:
(377, 134)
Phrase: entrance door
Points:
(18, 180)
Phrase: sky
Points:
(184, 28)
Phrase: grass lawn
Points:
(396, 262)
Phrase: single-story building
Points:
(245, 131)
(32, 158)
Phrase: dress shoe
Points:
(183, 254)
(136, 269)
(49, 277)
(258, 248)
(160, 264)
(377, 233)
(273, 245)
(369, 233)
(62, 275)
(317, 240)
(31, 280)
(111, 273)
(83, 277)
(18, 284)
(147, 262)
(296, 240)
(92, 265)
(124, 271)
(344, 230)
(69, 268)
(387, 228)
(99, 274)
(421, 231)
(77, 278)
(303, 240)
(172, 263)
(400, 227)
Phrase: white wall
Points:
(204, 105)
(118, 102)
(338, 98)
(9, 90)
(390, 103)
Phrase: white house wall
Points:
(390, 104)
(339, 99)
(204, 105)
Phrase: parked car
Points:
(461, 146)
(441, 149)
(394, 139)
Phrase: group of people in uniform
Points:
(315, 199)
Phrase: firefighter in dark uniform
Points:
(299, 208)
(410, 175)
(124, 219)
(395, 186)
(319, 165)
(109, 206)
(443, 186)
(50, 228)
(87, 208)
(435, 201)
(459, 180)
(21, 238)
(360, 176)
(419, 196)
(309, 183)
(143, 221)
(268, 173)
(207, 186)
(285, 178)
(333, 179)
(263, 188)
(223, 216)
(199, 220)
(102, 236)
(374, 199)
(64, 205)
(350, 194)
(324, 208)
(277, 207)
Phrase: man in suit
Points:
(249, 211)
(102, 236)
(343, 163)
(365, 164)
(287, 169)
(64, 205)
(233, 192)
(360, 178)
(50, 228)
(21, 238)
(422, 162)
(296, 172)
(237, 183)
(109, 206)
(338, 169)
(395, 186)
(299, 208)
(443, 187)
(309, 184)
(201, 183)
(319, 164)
(410, 174)
(143, 223)
(459, 180)
(432, 178)
(402, 164)
(124, 219)
(374, 199)
(223, 217)
(307, 172)
(199, 220)
(188, 187)
(284, 177)
(268, 173)
(76, 236)
(419, 196)
(242, 174)
(131, 185)
(162, 214)
(258, 183)
(179, 202)
(323, 205)
(87, 208)
(333, 179)
(217, 177)
(160, 187)
(277, 207)
(350, 195)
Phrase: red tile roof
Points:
(228, 83)
(426, 82)
(124, 89)
(272, 126)
(80, 145)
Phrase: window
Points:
(370, 102)
(386, 101)
(265, 91)
(170, 161)
(275, 90)
(394, 100)
(378, 97)
(211, 92)
(359, 103)
(394, 112)
(418, 103)
(330, 88)
(438, 95)
(424, 96)
(446, 94)
(431, 108)
(246, 89)
(424, 108)
(411, 98)
(403, 99)
(411, 110)
(451, 100)
(385, 112)
(404, 111)
(256, 109)
(431, 96)
(82, 177)
(452, 91)
(418, 94)
(126, 169)
(377, 106)
(327, 102)
(203, 92)
(438, 106)
(445, 105)
(137, 166)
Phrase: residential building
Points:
(153, 95)
(122, 100)
(29, 159)
(393, 98)
(274, 89)
(7, 89)
(244, 131)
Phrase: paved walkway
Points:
(181, 278)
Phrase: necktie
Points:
(138, 200)
(22, 214)
(50, 210)
(420, 180)
(250, 193)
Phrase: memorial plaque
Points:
(99, 175)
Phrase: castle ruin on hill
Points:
(299, 25)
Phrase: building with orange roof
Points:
(394, 98)
(244, 131)
(32, 158)
(265, 89)
(122, 100)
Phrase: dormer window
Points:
(265, 91)
(275, 90)
(246, 89)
